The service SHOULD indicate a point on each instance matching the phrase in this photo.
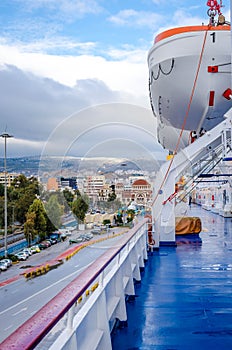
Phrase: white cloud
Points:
(129, 74)
(133, 55)
(184, 18)
(70, 8)
(181, 18)
(50, 44)
(20, 147)
(134, 18)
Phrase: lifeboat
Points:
(190, 79)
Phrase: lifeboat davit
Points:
(190, 80)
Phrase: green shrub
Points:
(106, 222)
(12, 257)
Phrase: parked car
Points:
(35, 249)
(96, 231)
(27, 251)
(21, 256)
(7, 261)
(3, 266)
(52, 240)
(55, 236)
(76, 240)
(86, 236)
(89, 235)
(24, 252)
(44, 245)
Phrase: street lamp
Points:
(5, 136)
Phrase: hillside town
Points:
(104, 193)
(134, 188)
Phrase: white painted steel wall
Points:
(88, 324)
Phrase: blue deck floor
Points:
(184, 300)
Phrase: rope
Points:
(186, 116)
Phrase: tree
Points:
(20, 182)
(112, 195)
(21, 195)
(23, 203)
(64, 198)
(40, 222)
(68, 197)
(80, 207)
(29, 230)
(131, 215)
(54, 212)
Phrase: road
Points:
(23, 298)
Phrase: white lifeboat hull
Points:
(185, 94)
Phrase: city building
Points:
(9, 178)
(140, 192)
(94, 186)
(52, 184)
(99, 188)
(68, 182)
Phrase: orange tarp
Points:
(186, 225)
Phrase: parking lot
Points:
(50, 252)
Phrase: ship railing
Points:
(205, 165)
(84, 313)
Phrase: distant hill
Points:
(123, 166)
(31, 165)
(24, 165)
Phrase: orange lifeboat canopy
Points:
(188, 29)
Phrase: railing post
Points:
(101, 279)
(70, 316)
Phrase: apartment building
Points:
(68, 182)
(96, 188)
(52, 184)
(9, 178)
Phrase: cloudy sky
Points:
(61, 61)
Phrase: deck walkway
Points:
(184, 300)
